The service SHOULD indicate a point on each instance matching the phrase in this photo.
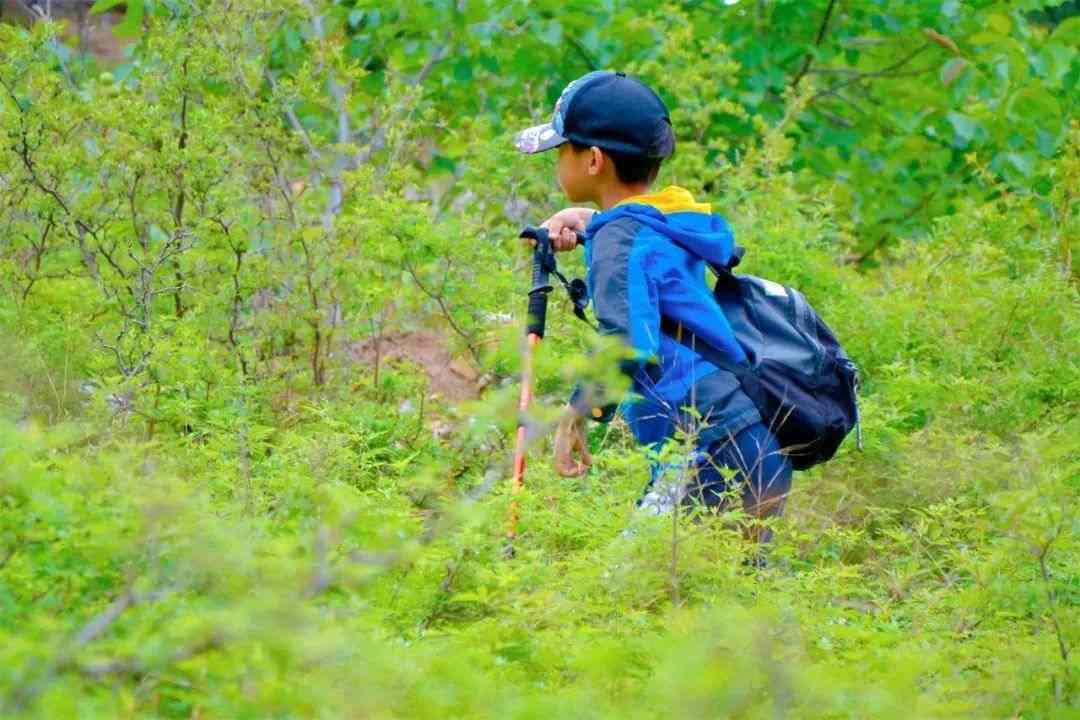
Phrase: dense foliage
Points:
(233, 483)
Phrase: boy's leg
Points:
(762, 475)
(669, 484)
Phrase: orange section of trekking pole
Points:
(543, 264)
(518, 481)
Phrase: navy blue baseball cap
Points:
(609, 110)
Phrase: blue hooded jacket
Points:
(646, 258)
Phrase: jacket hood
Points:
(673, 213)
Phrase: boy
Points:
(646, 254)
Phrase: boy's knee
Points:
(766, 507)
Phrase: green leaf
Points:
(102, 6)
(1034, 106)
(984, 38)
(551, 33)
(1047, 142)
(964, 129)
(443, 164)
(293, 40)
(215, 86)
(999, 23)
(132, 25)
(463, 70)
(1023, 162)
(1071, 79)
(1067, 33)
(158, 235)
(1054, 61)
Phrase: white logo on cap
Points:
(529, 140)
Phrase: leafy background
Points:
(263, 302)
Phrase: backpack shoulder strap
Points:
(673, 328)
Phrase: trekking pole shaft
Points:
(542, 262)
(518, 482)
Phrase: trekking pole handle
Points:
(543, 263)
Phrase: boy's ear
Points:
(596, 160)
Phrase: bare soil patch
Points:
(453, 378)
(83, 32)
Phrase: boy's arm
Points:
(626, 304)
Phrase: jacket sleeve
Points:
(626, 304)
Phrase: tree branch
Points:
(434, 59)
(1051, 601)
(138, 667)
(181, 192)
(817, 43)
(28, 690)
(877, 73)
(440, 300)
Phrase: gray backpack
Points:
(799, 377)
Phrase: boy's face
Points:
(578, 172)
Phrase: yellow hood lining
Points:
(671, 199)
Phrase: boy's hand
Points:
(566, 226)
(570, 439)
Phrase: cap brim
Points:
(538, 139)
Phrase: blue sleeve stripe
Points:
(644, 306)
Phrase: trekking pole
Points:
(543, 264)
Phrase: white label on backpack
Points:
(771, 288)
